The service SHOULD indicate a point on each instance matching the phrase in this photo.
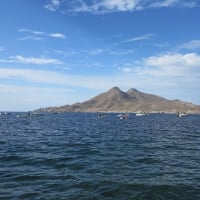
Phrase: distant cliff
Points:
(115, 100)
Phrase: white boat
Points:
(139, 114)
(181, 114)
(123, 116)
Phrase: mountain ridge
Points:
(116, 100)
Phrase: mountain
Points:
(115, 100)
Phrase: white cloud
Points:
(191, 45)
(57, 35)
(96, 51)
(31, 38)
(174, 60)
(167, 70)
(173, 3)
(169, 75)
(120, 5)
(56, 3)
(36, 76)
(156, 68)
(109, 6)
(38, 35)
(175, 72)
(162, 70)
(31, 31)
(52, 77)
(126, 69)
(50, 7)
(37, 61)
(53, 5)
(168, 66)
(165, 3)
(106, 6)
(139, 38)
(31, 60)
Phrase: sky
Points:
(58, 52)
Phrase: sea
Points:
(87, 156)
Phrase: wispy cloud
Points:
(37, 61)
(165, 3)
(126, 69)
(116, 5)
(53, 5)
(162, 69)
(173, 65)
(31, 31)
(139, 38)
(168, 66)
(97, 7)
(170, 75)
(38, 35)
(57, 35)
(191, 45)
(109, 6)
(31, 38)
(31, 60)
(173, 3)
(96, 51)
(52, 77)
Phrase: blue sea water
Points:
(79, 156)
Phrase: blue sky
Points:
(57, 52)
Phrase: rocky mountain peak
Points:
(114, 89)
(130, 101)
(132, 90)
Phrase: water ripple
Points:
(78, 156)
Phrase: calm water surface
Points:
(79, 156)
